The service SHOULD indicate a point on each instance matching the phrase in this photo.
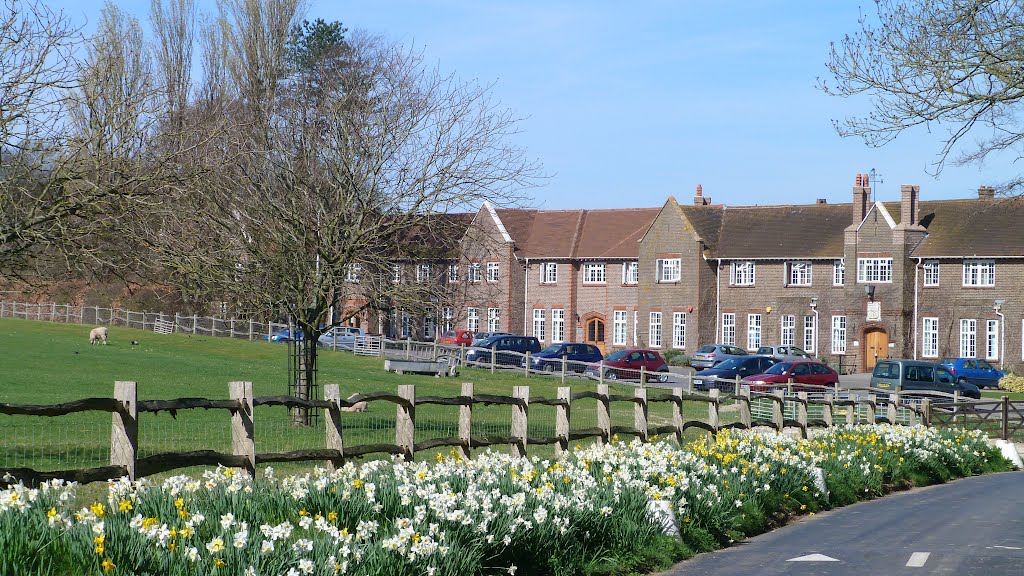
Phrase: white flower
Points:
(305, 566)
(512, 569)
(227, 520)
(267, 546)
(192, 553)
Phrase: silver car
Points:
(783, 352)
(711, 355)
(340, 337)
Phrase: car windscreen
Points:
(985, 365)
(616, 355)
(780, 368)
(486, 342)
(730, 364)
(553, 349)
(706, 349)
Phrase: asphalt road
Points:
(973, 526)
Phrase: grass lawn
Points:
(46, 363)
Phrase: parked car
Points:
(576, 354)
(783, 352)
(479, 337)
(508, 350)
(456, 337)
(626, 364)
(811, 373)
(973, 370)
(284, 335)
(904, 375)
(711, 355)
(731, 368)
(340, 337)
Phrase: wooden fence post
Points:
(640, 412)
(195, 325)
(526, 369)
(243, 440)
(744, 402)
(1004, 422)
(520, 416)
(801, 413)
(736, 387)
(604, 421)
(677, 414)
(124, 430)
(562, 413)
(926, 412)
(466, 421)
(713, 420)
(777, 412)
(405, 422)
(872, 417)
(643, 375)
(332, 393)
(494, 357)
(462, 354)
(408, 348)
(851, 414)
(563, 369)
(826, 410)
(600, 374)
(892, 412)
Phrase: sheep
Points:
(357, 407)
(98, 335)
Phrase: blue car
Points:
(576, 354)
(730, 369)
(973, 370)
(284, 335)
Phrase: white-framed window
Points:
(493, 320)
(352, 273)
(473, 319)
(538, 324)
(729, 329)
(655, 330)
(423, 273)
(992, 339)
(396, 273)
(810, 335)
(979, 273)
(788, 332)
(753, 331)
(838, 272)
(679, 330)
(428, 327)
(968, 338)
(406, 325)
(493, 271)
(874, 270)
(930, 338)
(798, 273)
(630, 272)
(474, 272)
(549, 273)
(453, 273)
(557, 325)
(839, 334)
(931, 272)
(447, 315)
(594, 273)
(619, 327)
(668, 269)
(741, 273)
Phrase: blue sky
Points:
(626, 103)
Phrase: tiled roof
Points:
(613, 233)
(798, 231)
(973, 227)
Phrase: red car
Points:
(626, 364)
(815, 374)
(456, 337)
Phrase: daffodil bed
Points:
(496, 514)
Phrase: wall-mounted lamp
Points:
(814, 302)
(767, 309)
(998, 305)
(870, 291)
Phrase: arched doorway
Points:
(876, 346)
(593, 332)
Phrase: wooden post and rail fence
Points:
(126, 410)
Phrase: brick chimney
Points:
(910, 209)
(700, 199)
(822, 201)
(986, 193)
(861, 199)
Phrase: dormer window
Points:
(798, 273)
(741, 273)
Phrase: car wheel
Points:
(962, 381)
(662, 377)
(610, 375)
(549, 368)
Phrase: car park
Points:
(973, 370)
(479, 337)
(711, 355)
(807, 375)
(508, 350)
(783, 352)
(575, 354)
(456, 337)
(909, 375)
(730, 369)
(340, 337)
(627, 365)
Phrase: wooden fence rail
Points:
(125, 411)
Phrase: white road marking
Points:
(1005, 547)
(813, 558)
(917, 559)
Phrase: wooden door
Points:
(594, 333)
(876, 345)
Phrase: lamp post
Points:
(997, 307)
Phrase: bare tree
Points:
(951, 65)
(174, 26)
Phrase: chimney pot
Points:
(986, 192)
(860, 181)
(867, 180)
(822, 201)
(700, 190)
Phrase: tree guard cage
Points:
(302, 382)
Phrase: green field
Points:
(46, 363)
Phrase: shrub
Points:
(1012, 383)
(676, 358)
